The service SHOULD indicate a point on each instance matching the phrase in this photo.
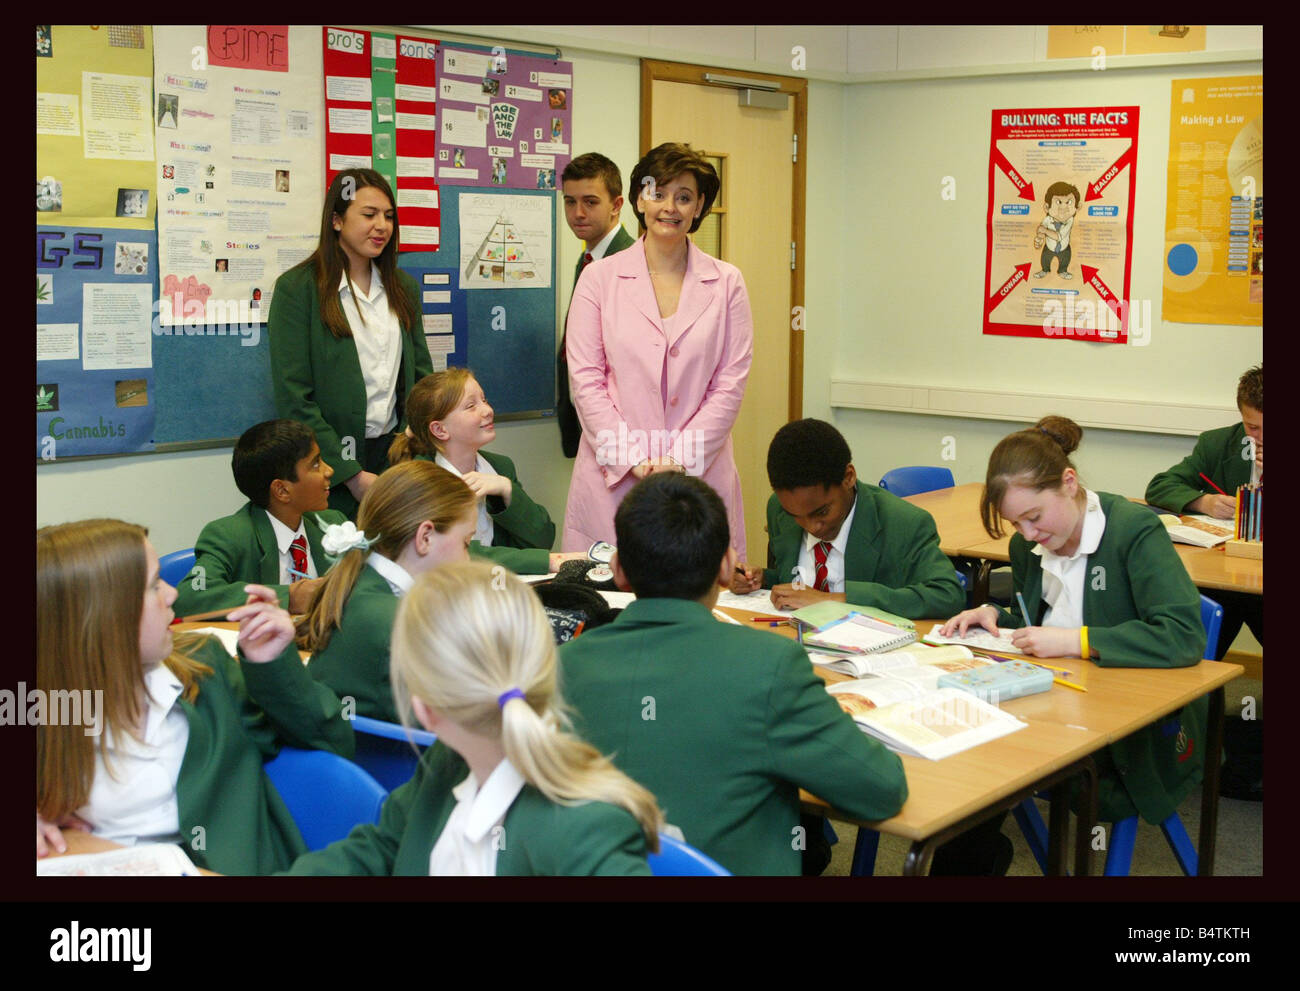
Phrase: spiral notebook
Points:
(858, 634)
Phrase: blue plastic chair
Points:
(917, 478)
(1123, 834)
(173, 567)
(326, 794)
(678, 859)
(385, 751)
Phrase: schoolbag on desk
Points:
(572, 607)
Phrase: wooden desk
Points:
(956, 515)
(947, 797)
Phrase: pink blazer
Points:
(641, 392)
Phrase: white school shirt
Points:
(1064, 577)
(137, 801)
(283, 538)
(806, 569)
(469, 842)
(484, 531)
(398, 578)
(379, 350)
(598, 252)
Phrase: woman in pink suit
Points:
(660, 340)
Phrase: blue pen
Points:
(1023, 611)
(300, 574)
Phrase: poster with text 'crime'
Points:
(1060, 224)
(504, 120)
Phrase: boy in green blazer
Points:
(278, 466)
(722, 723)
(1229, 456)
(831, 536)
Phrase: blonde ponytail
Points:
(391, 512)
(468, 633)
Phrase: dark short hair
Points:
(664, 164)
(267, 451)
(1062, 189)
(807, 452)
(594, 165)
(672, 534)
(1250, 389)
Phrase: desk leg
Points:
(1086, 820)
(1210, 788)
(919, 855)
(1058, 826)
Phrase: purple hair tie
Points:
(505, 697)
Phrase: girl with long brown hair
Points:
(346, 337)
(175, 753)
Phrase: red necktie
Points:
(586, 260)
(820, 552)
(298, 550)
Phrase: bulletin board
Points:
(203, 383)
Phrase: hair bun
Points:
(1064, 431)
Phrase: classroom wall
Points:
(912, 311)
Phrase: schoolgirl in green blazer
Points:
(184, 727)
(506, 790)
(317, 311)
(450, 422)
(415, 517)
(1103, 576)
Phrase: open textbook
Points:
(922, 666)
(977, 638)
(1200, 531)
(930, 724)
(145, 859)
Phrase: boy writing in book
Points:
(274, 539)
(831, 536)
(722, 723)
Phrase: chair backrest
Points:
(1211, 619)
(916, 478)
(173, 567)
(326, 794)
(678, 859)
(385, 751)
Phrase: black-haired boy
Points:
(723, 723)
(274, 538)
(842, 538)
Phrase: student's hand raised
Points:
(1047, 641)
(302, 593)
(264, 628)
(985, 616)
(792, 597)
(746, 579)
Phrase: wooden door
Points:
(760, 229)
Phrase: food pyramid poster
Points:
(502, 257)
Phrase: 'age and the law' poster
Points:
(503, 119)
(1060, 222)
(1214, 215)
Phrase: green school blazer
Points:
(241, 548)
(1223, 454)
(1142, 611)
(537, 837)
(724, 724)
(316, 377)
(892, 560)
(523, 532)
(231, 817)
(354, 664)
